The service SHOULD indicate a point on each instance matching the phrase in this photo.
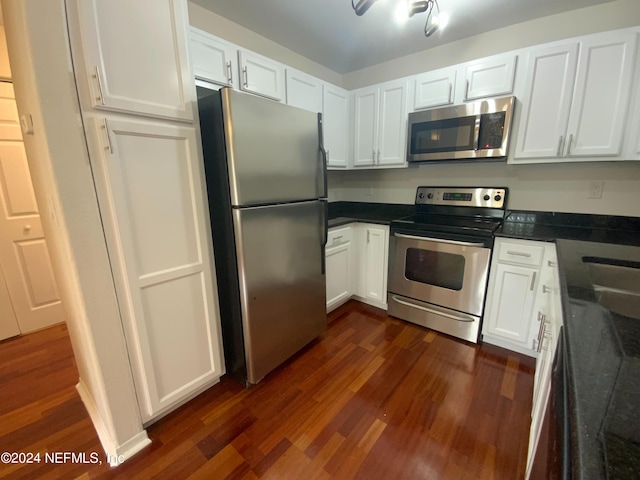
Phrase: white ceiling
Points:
(329, 32)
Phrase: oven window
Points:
(444, 270)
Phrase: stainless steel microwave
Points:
(475, 130)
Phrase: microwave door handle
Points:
(439, 240)
(476, 133)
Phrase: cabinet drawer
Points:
(520, 253)
(338, 236)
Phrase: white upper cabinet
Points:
(213, 60)
(335, 112)
(575, 101)
(601, 95)
(434, 89)
(119, 72)
(303, 91)
(547, 102)
(261, 75)
(490, 77)
(366, 122)
(380, 125)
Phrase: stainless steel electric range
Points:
(439, 258)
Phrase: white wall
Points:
(58, 160)
(600, 18)
(549, 187)
(234, 33)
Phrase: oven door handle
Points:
(439, 240)
(459, 318)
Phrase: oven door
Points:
(448, 273)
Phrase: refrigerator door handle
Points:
(325, 235)
(323, 154)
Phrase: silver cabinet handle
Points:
(450, 91)
(96, 75)
(328, 157)
(439, 240)
(518, 254)
(559, 153)
(378, 157)
(246, 77)
(373, 156)
(533, 280)
(546, 289)
(569, 144)
(466, 91)
(229, 73)
(460, 318)
(368, 232)
(105, 126)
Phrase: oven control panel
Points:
(488, 197)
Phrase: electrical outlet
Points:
(595, 189)
(369, 191)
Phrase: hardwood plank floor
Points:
(374, 398)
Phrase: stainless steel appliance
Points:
(475, 130)
(439, 258)
(266, 182)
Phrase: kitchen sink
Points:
(616, 284)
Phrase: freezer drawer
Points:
(280, 255)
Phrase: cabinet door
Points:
(547, 101)
(134, 62)
(366, 121)
(212, 59)
(338, 261)
(392, 130)
(335, 113)
(603, 86)
(303, 91)
(151, 193)
(490, 77)
(510, 302)
(435, 88)
(261, 76)
(375, 263)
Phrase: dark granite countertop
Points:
(341, 213)
(603, 362)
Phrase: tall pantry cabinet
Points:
(138, 107)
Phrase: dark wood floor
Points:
(373, 398)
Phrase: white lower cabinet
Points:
(357, 259)
(150, 188)
(514, 294)
(339, 267)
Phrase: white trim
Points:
(116, 453)
(373, 303)
(509, 346)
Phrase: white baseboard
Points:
(373, 303)
(116, 453)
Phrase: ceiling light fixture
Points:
(362, 6)
(433, 14)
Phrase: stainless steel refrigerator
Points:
(267, 186)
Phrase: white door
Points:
(510, 302)
(24, 254)
(602, 92)
(547, 101)
(8, 323)
(375, 264)
(9, 122)
(434, 89)
(261, 75)
(392, 132)
(116, 65)
(335, 119)
(303, 91)
(212, 59)
(150, 189)
(366, 121)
